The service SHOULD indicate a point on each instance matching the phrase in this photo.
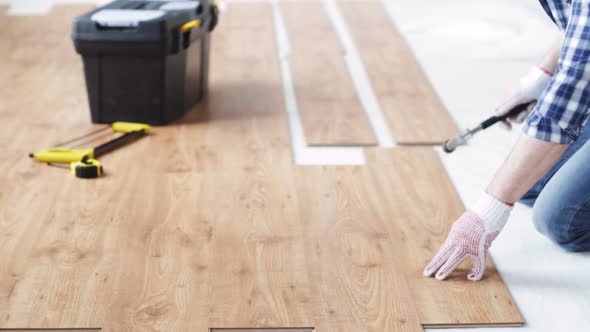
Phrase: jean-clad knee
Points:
(562, 210)
(554, 221)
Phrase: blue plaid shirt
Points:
(564, 107)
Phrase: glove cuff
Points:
(534, 82)
(493, 212)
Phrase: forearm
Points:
(550, 61)
(529, 160)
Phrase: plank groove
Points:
(413, 110)
(327, 101)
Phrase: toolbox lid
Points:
(143, 27)
(124, 18)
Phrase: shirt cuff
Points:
(547, 129)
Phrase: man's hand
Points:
(529, 89)
(470, 237)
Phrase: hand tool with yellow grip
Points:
(83, 162)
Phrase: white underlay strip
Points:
(302, 154)
(42, 7)
(359, 76)
(29, 7)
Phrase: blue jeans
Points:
(561, 198)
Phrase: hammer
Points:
(451, 144)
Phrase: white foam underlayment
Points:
(472, 51)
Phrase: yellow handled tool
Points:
(61, 155)
(82, 161)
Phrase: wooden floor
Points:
(208, 223)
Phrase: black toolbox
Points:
(145, 61)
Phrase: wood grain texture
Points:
(414, 112)
(422, 203)
(349, 253)
(328, 104)
(309, 29)
(330, 110)
(217, 228)
(243, 52)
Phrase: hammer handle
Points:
(512, 113)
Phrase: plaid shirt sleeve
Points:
(564, 106)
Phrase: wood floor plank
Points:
(263, 279)
(164, 254)
(330, 110)
(414, 112)
(350, 254)
(422, 204)
(328, 104)
(309, 29)
(243, 52)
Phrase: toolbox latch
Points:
(186, 30)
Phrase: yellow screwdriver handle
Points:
(61, 155)
(127, 127)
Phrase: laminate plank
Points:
(309, 29)
(330, 110)
(350, 256)
(328, 104)
(243, 52)
(421, 206)
(161, 272)
(413, 110)
(263, 279)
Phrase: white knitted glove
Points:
(470, 237)
(529, 89)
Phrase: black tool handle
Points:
(512, 113)
(117, 142)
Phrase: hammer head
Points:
(451, 144)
